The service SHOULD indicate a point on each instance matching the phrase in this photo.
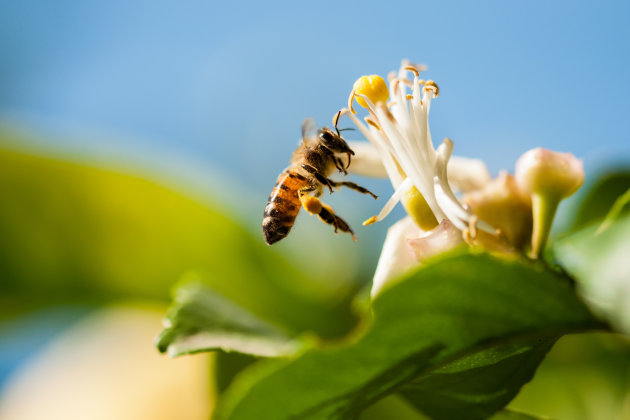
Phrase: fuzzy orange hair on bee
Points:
(303, 182)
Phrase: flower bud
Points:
(549, 177)
(541, 171)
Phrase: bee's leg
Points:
(352, 186)
(338, 162)
(326, 214)
(318, 176)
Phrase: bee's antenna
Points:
(347, 129)
(336, 121)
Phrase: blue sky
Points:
(227, 86)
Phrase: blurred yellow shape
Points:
(106, 368)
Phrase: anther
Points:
(394, 85)
(430, 84)
(372, 123)
(412, 69)
(370, 221)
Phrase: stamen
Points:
(372, 123)
(408, 160)
(387, 113)
(418, 67)
(444, 152)
(470, 233)
(350, 102)
(368, 101)
(431, 85)
(391, 203)
(409, 97)
(412, 69)
(446, 196)
(379, 140)
(394, 86)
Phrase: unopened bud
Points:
(541, 171)
(549, 177)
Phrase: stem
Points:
(544, 209)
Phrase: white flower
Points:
(496, 215)
(399, 132)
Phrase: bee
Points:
(304, 180)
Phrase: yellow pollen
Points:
(431, 85)
(370, 221)
(372, 123)
(409, 97)
(412, 69)
(373, 86)
(311, 204)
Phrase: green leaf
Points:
(468, 318)
(515, 415)
(478, 384)
(585, 376)
(598, 258)
(616, 211)
(201, 320)
(596, 203)
(74, 232)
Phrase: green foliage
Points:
(475, 385)
(457, 338)
(601, 196)
(201, 320)
(584, 377)
(74, 232)
(598, 258)
(461, 334)
(71, 228)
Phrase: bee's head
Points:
(333, 141)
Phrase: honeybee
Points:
(303, 181)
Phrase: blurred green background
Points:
(139, 141)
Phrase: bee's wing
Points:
(309, 129)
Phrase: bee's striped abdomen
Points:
(283, 206)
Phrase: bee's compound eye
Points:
(326, 136)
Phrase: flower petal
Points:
(396, 256)
(443, 238)
(367, 161)
(466, 174)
